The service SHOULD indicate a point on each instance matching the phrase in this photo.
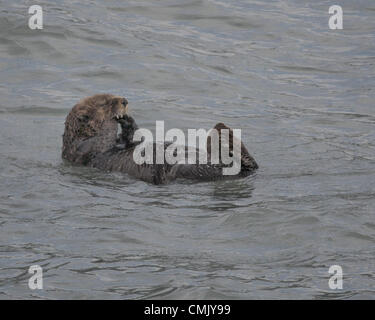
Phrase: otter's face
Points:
(98, 113)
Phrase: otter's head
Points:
(93, 116)
(247, 161)
(97, 113)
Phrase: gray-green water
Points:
(302, 94)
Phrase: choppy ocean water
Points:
(302, 94)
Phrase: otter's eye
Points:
(124, 102)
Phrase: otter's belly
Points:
(123, 161)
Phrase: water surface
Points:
(302, 94)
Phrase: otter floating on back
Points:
(90, 138)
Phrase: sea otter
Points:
(90, 138)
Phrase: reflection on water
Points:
(302, 94)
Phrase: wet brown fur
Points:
(248, 163)
(90, 138)
(92, 117)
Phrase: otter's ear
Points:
(83, 118)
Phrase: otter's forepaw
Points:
(127, 122)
